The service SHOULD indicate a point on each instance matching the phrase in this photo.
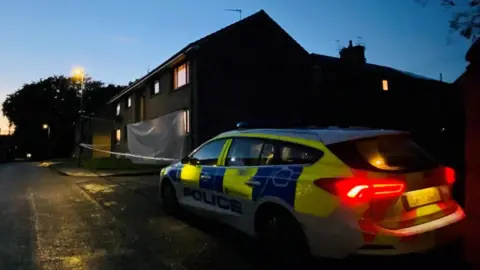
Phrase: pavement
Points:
(69, 169)
(51, 221)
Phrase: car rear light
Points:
(449, 175)
(359, 190)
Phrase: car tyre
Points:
(281, 238)
(170, 201)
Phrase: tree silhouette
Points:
(466, 16)
(54, 101)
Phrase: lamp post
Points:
(47, 127)
(78, 76)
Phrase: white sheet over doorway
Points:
(161, 137)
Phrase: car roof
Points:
(327, 136)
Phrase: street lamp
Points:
(78, 75)
(47, 127)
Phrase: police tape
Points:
(93, 148)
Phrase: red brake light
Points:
(449, 175)
(357, 190)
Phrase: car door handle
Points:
(205, 177)
(253, 183)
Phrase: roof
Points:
(367, 66)
(191, 46)
(324, 135)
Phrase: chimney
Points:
(353, 54)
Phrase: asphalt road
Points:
(49, 221)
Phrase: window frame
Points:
(356, 160)
(208, 143)
(129, 101)
(117, 140)
(155, 83)
(276, 144)
(230, 148)
(385, 85)
(175, 75)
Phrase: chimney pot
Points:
(354, 54)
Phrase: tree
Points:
(54, 101)
(466, 16)
(467, 20)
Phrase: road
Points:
(49, 221)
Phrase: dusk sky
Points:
(119, 41)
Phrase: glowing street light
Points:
(47, 127)
(78, 74)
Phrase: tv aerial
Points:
(235, 10)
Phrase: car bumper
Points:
(339, 236)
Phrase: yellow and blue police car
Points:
(332, 192)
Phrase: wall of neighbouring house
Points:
(100, 131)
(469, 83)
(255, 72)
(167, 100)
(126, 116)
(352, 94)
(358, 97)
(155, 105)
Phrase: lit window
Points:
(156, 87)
(180, 76)
(118, 109)
(118, 136)
(186, 121)
(129, 102)
(385, 85)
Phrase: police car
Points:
(332, 192)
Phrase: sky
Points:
(117, 41)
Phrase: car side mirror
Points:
(185, 160)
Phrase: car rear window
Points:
(384, 153)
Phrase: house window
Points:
(118, 109)
(118, 136)
(180, 76)
(156, 87)
(129, 101)
(125, 133)
(186, 121)
(385, 85)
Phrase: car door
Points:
(199, 177)
(235, 206)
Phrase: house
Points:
(365, 94)
(469, 86)
(247, 70)
(254, 70)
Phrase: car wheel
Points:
(281, 237)
(170, 201)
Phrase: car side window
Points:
(284, 153)
(268, 154)
(209, 153)
(244, 152)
